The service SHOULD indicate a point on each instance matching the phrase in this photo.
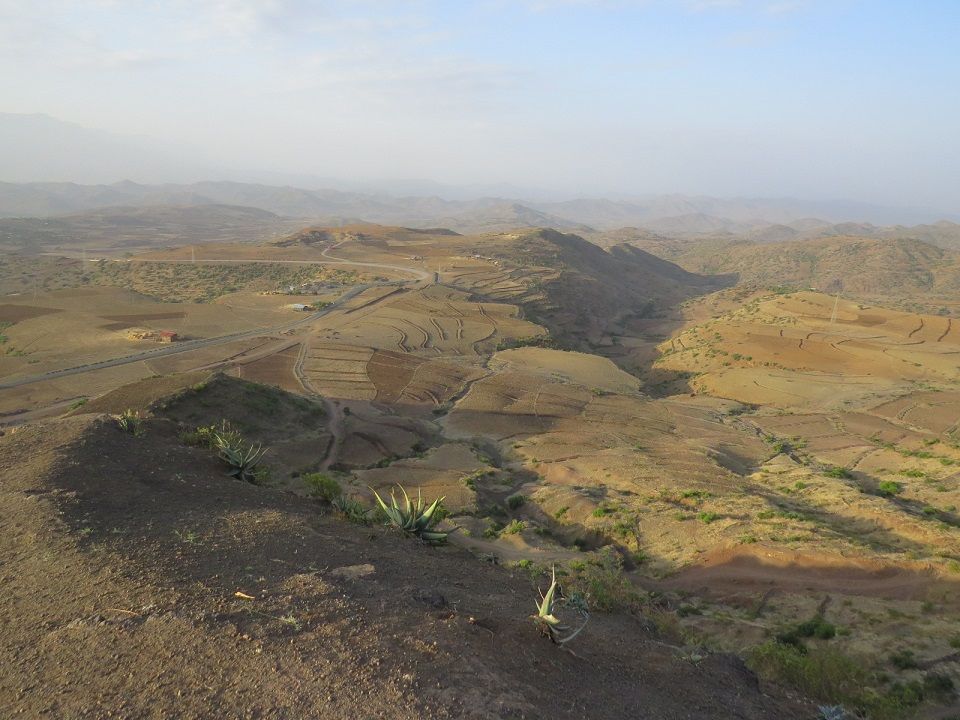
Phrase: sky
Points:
(817, 99)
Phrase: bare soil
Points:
(140, 582)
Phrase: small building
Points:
(167, 336)
(300, 307)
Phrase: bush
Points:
(515, 501)
(889, 488)
(602, 582)
(839, 472)
(815, 627)
(825, 674)
(514, 527)
(322, 486)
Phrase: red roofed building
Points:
(167, 336)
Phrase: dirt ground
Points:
(139, 582)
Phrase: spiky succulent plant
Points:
(241, 461)
(413, 518)
(548, 623)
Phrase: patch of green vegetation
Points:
(815, 627)
(602, 582)
(351, 510)
(889, 488)
(515, 501)
(708, 517)
(829, 675)
(561, 512)
(322, 486)
(841, 473)
(514, 527)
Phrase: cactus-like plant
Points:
(548, 623)
(413, 518)
(832, 712)
(351, 510)
(241, 461)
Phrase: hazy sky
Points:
(811, 98)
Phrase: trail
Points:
(334, 415)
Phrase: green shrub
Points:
(889, 488)
(841, 473)
(514, 527)
(322, 486)
(602, 582)
(515, 501)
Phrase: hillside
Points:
(252, 602)
(859, 266)
(140, 227)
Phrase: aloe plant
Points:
(548, 623)
(351, 510)
(242, 462)
(413, 518)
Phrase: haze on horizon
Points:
(808, 98)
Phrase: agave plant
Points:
(242, 462)
(832, 712)
(351, 510)
(413, 518)
(548, 623)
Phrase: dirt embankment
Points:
(122, 560)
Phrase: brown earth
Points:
(139, 582)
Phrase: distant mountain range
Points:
(667, 215)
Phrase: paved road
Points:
(190, 345)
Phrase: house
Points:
(300, 307)
(167, 336)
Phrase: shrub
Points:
(825, 674)
(515, 501)
(602, 582)
(323, 486)
(708, 517)
(841, 473)
(889, 488)
(514, 527)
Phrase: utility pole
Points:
(193, 254)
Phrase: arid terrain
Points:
(729, 465)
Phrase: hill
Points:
(140, 227)
(248, 601)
